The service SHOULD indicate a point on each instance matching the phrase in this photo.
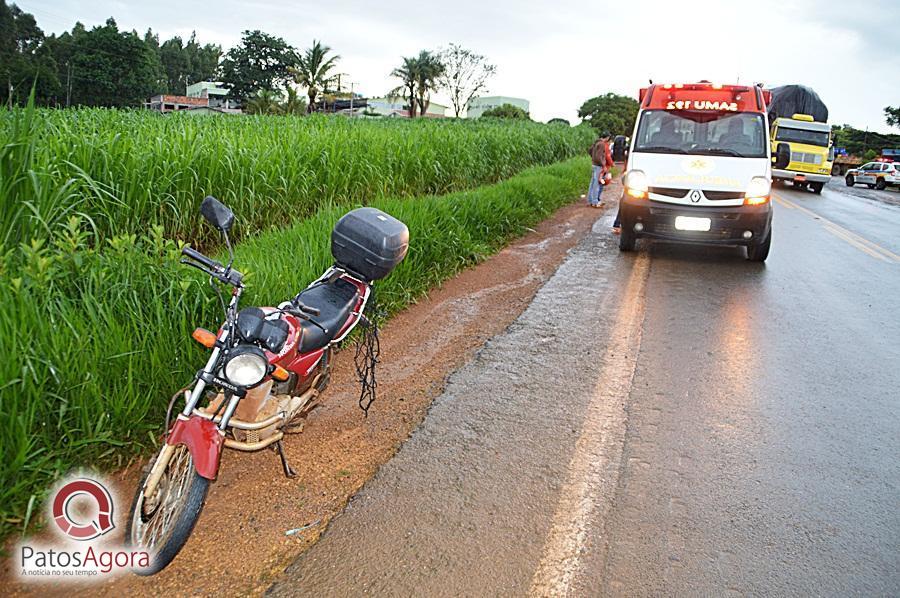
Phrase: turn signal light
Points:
(204, 337)
(636, 193)
(280, 374)
(756, 201)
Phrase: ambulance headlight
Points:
(246, 366)
(636, 184)
(759, 186)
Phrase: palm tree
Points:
(312, 70)
(428, 69)
(294, 104)
(407, 73)
(264, 102)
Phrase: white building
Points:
(396, 106)
(480, 105)
(213, 90)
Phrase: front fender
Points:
(204, 441)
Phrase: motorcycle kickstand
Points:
(288, 470)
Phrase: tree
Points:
(428, 69)
(264, 102)
(611, 113)
(294, 104)
(857, 141)
(175, 64)
(419, 75)
(558, 121)
(24, 59)
(259, 62)
(312, 70)
(189, 63)
(892, 116)
(407, 74)
(106, 67)
(151, 40)
(464, 76)
(507, 111)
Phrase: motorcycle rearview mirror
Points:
(217, 213)
(782, 155)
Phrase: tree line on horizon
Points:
(105, 66)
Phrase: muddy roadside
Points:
(256, 521)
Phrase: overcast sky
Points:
(557, 53)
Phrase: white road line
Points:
(592, 474)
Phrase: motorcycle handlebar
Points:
(211, 267)
(195, 255)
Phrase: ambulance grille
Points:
(668, 191)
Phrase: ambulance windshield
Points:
(707, 133)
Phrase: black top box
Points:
(369, 243)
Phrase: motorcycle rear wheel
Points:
(163, 524)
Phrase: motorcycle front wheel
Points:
(162, 523)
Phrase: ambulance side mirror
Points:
(782, 155)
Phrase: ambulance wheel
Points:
(627, 239)
(849, 180)
(880, 184)
(817, 188)
(760, 251)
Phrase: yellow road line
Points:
(839, 234)
(783, 202)
(860, 242)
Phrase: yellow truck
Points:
(798, 123)
(811, 150)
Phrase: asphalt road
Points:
(676, 421)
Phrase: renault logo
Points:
(695, 196)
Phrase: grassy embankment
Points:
(95, 312)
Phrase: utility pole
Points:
(68, 83)
(352, 83)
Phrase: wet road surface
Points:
(676, 421)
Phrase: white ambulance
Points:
(700, 168)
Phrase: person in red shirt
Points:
(601, 157)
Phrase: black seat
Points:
(335, 302)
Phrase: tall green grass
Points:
(125, 171)
(95, 333)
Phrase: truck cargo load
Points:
(788, 100)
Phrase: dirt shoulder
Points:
(240, 543)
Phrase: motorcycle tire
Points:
(193, 493)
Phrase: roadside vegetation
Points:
(95, 312)
(124, 172)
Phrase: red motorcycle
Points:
(265, 372)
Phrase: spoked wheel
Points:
(162, 522)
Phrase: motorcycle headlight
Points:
(246, 366)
